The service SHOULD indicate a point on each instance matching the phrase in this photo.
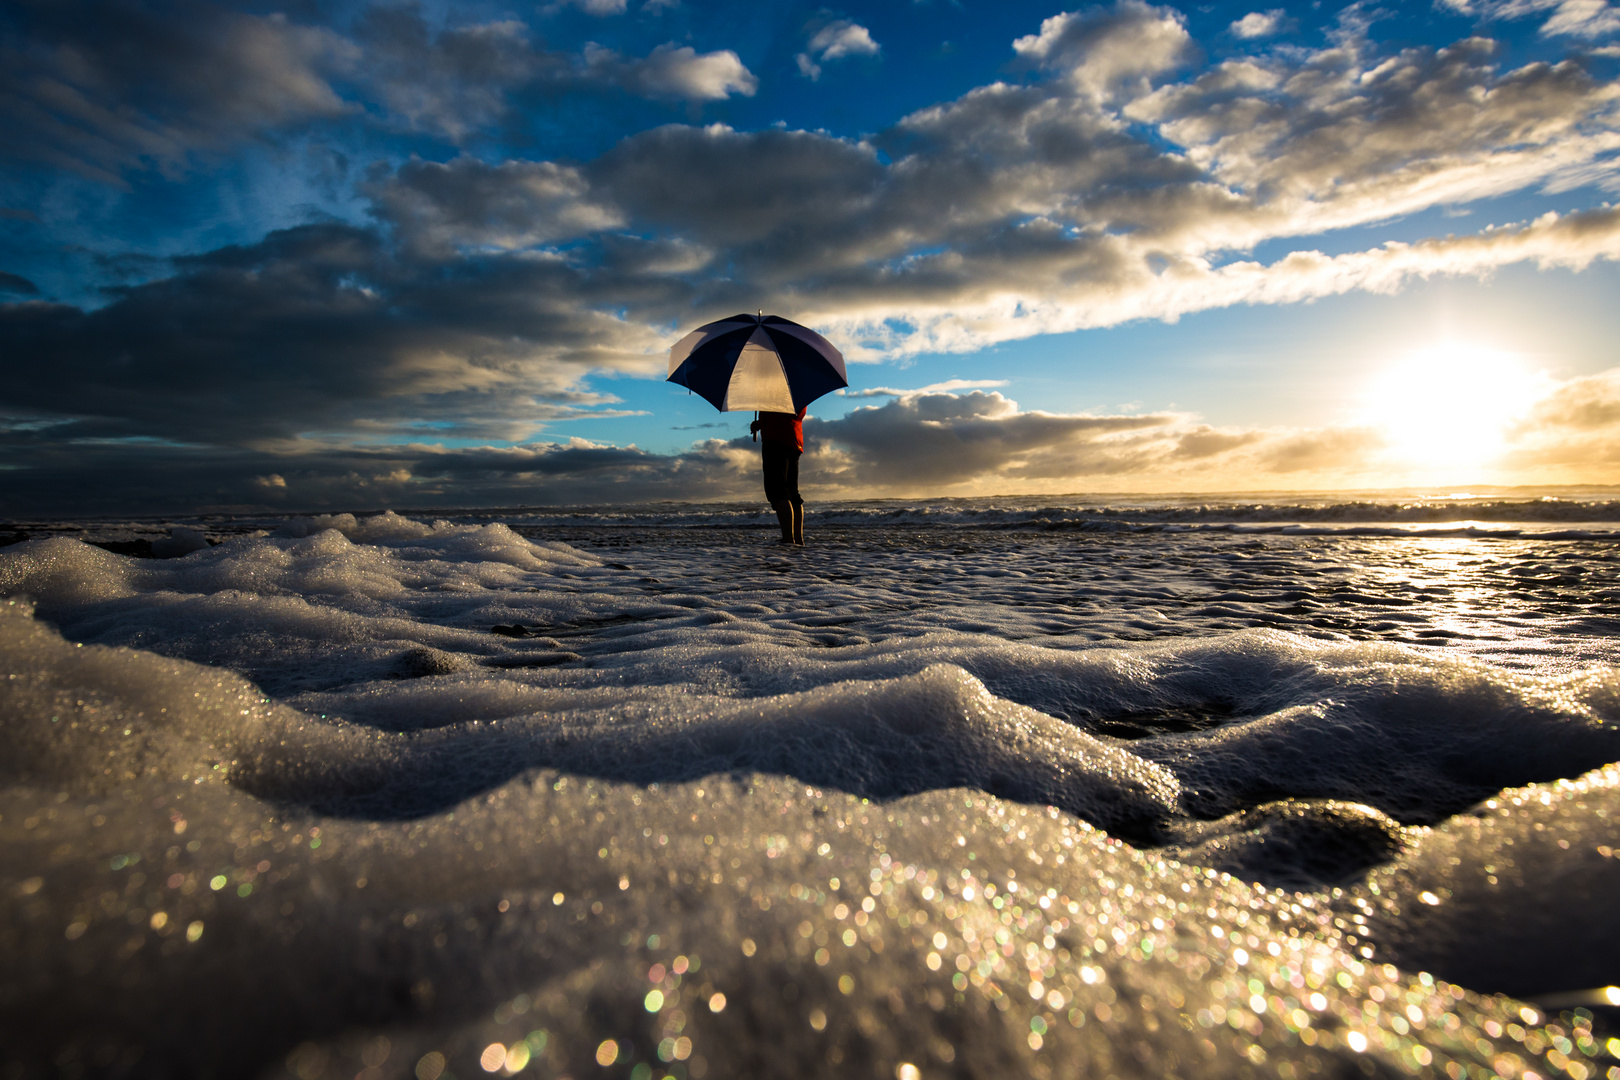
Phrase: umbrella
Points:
(764, 363)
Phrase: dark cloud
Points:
(457, 81)
(105, 87)
(439, 208)
(928, 442)
(16, 283)
(315, 329)
(120, 478)
(771, 196)
(102, 86)
(921, 443)
(454, 81)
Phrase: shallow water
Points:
(1001, 796)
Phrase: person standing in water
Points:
(781, 441)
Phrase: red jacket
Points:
(781, 427)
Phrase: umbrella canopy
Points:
(763, 363)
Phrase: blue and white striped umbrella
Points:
(764, 363)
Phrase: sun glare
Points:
(1452, 404)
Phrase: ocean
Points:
(1292, 786)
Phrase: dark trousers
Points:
(781, 461)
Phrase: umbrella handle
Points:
(753, 429)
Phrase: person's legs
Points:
(778, 463)
(784, 518)
(796, 504)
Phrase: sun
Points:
(1451, 404)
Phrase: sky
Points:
(357, 255)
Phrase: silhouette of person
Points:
(781, 441)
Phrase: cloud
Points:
(1204, 441)
(1571, 18)
(105, 89)
(780, 202)
(98, 88)
(1322, 142)
(933, 442)
(1582, 405)
(599, 8)
(1259, 24)
(1576, 427)
(843, 38)
(920, 444)
(834, 41)
(672, 71)
(16, 283)
(457, 81)
(946, 387)
(453, 81)
(324, 330)
(466, 203)
(983, 443)
(65, 478)
(1104, 51)
(1315, 451)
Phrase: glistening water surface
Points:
(623, 794)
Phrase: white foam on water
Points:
(286, 804)
(1534, 871)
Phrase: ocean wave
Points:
(1376, 517)
(1570, 516)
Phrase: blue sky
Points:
(364, 254)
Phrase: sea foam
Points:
(287, 804)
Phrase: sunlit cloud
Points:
(1259, 24)
(1574, 430)
(1106, 51)
(1576, 18)
(674, 71)
(599, 8)
(947, 387)
(833, 41)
